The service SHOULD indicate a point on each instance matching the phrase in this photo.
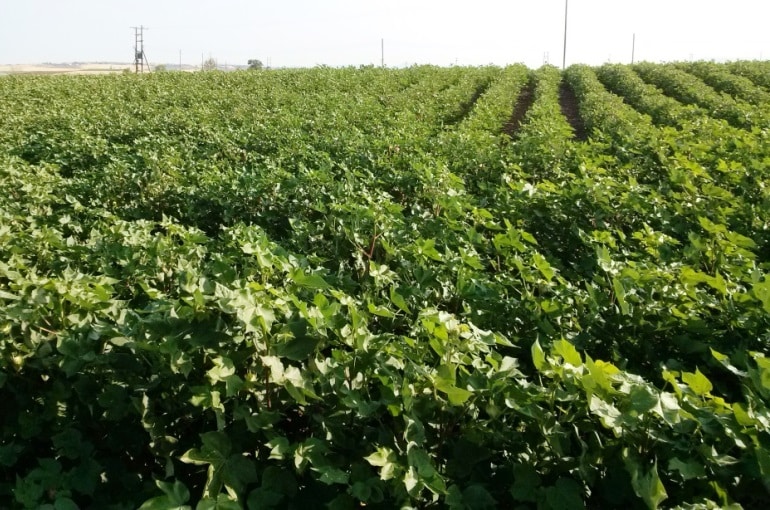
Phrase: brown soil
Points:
(569, 107)
(523, 104)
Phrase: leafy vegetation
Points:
(350, 287)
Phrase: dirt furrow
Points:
(569, 107)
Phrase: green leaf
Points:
(763, 461)
(610, 416)
(568, 352)
(297, 349)
(620, 296)
(457, 396)
(646, 482)
(223, 368)
(279, 480)
(64, 503)
(176, 495)
(280, 448)
(232, 471)
(688, 469)
(216, 448)
(565, 495)
(697, 382)
(381, 457)
(9, 454)
(428, 249)
(761, 291)
(526, 481)
(262, 498)
(331, 475)
(386, 459)
(312, 281)
(476, 497)
(8, 296)
(643, 399)
(399, 301)
(543, 266)
(380, 311)
(221, 502)
(538, 356)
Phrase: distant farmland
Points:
(428, 287)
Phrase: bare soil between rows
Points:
(570, 109)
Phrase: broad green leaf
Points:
(9, 454)
(64, 503)
(568, 352)
(297, 349)
(688, 469)
(742, 415)
(174, 498)
(476, 497)
(526, 482)
(610, 416)
(332, 475)
(761, 291)
(646, 482)
(427, 248)
(223, 368)
(8, 296)
(543, 266)
(538, 356)
(763, 461)
(599, 374)
(220, 502)
(280, 448)
(620, 296)
(399, 301)
(565, 495)
(697, 382)
(312, 281)
(380, 311)
(643, 399)
(386, 459)
(262, 498)
(457, 396)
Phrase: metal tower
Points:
(140, 57)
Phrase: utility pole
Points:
(140, 58)
(564, 52)
(633, 48)
(180, 60)
(382, 52)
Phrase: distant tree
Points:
(255, 64)
(210, 65)
(161, 68)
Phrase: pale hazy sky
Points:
(348, 32)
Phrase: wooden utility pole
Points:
(633, 49)
(382, 52)
(564, 52)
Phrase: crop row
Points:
(353, 287)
